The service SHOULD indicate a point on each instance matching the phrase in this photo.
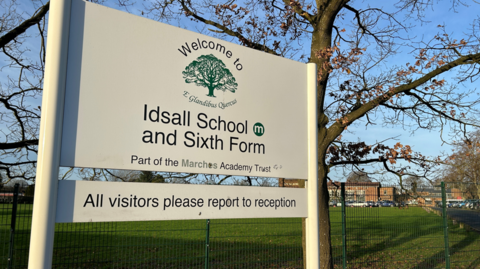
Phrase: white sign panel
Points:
(87, 201)
(143, 95)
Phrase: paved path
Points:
(467, 216)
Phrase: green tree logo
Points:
(210, 72)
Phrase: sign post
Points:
(48, 160)
(312, 222)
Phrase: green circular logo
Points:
(258, 129)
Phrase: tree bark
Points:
(326, 261)
(322, 40)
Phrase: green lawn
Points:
(376, 238)
(238, 243)
(402, 238)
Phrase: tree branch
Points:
(19, 144)
(228, 31)
(11, 35)
(299, 10)
(360, 111)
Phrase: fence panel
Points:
(399, 228)
(336, 231)
(15, 239)
(387, 228)
(149, 244)
(6, 199)
(463, 211)
(256, 243)
(237, 243)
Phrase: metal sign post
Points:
(312, 222)
(48, 160)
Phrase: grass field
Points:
(402, 238)
(376, 238)
(237, 243)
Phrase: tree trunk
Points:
(321, 41)
(210, 91)
(326, 261)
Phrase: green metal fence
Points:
(380, 226)
(220, 243)
(256, 243)
(462, 208)
(386, 229)
(399, 228)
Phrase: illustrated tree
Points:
(210, 72)
(361, 78)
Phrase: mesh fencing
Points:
(424, 226)
(220, 243)
(372, 226)
(256, 243)
(463, 213)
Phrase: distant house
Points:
(362, 191)
(430, 196)
(7, 197)
(374, 191)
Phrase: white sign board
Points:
(87, 201)
(143, 95)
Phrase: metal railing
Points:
(221, 243)
(378, 226)
(400, 228)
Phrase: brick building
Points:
(362, 191)
(430, 196)
(373, 191)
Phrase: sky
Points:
(424, 141)
(428, 142)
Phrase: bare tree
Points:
(462, 167)
(22, 65)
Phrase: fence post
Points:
(12, 226)
(344, 226)
(445, 226)
(207, 244)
